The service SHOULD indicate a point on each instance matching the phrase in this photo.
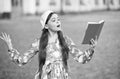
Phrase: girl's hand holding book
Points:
(93, 42)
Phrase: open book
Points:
(93, 30)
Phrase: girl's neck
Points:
(52, 36)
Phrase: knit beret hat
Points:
(44, 17)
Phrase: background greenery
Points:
(106, 60)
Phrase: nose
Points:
(58, 22)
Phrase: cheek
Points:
(52, 26)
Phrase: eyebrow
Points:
(54, 18)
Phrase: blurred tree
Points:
(104, 1)
(67, 2)
(37, 2)
(111, 2)
(82, 2)
(61, 11)
(96, 2)
(52, 2)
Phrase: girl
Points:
(53, 48)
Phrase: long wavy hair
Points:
(42, 48)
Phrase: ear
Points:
(46, 26)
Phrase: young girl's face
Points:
(54, 23)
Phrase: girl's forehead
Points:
(54, 16)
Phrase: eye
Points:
(58, 19)
(53, 20)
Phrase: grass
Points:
(106, 60)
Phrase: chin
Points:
(56, 30)
(59, 30)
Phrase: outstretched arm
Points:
(82, 57)
(15, 55)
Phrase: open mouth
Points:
(58, 25)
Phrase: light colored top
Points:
(53, 63)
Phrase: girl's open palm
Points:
(7, 39)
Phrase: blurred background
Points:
(20, 19)
(9, 8)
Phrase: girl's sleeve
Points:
(79, 56)
(21, 60)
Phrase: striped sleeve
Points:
(29, 54)
(79, 56)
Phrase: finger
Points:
(2, 34)
(86, 53)
(9, 38)
(1, 38)
(93, 44)
(96, 38)
(92, 41)
(91, 54)
(6, 36)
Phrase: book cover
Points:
(93, 30)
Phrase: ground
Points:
(105, 63)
